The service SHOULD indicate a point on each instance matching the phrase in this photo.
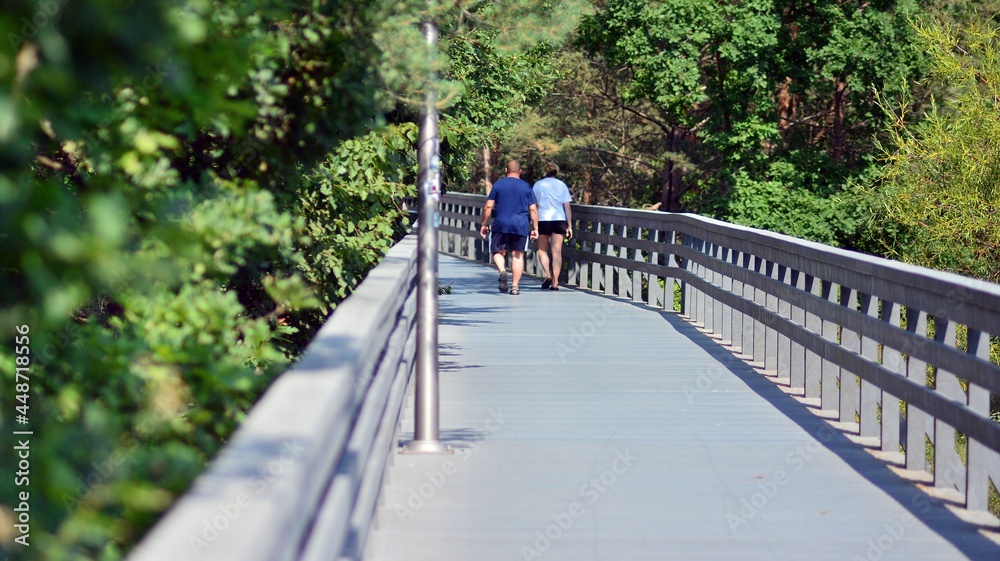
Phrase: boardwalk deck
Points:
(587, 427)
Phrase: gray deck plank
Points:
(543, 394)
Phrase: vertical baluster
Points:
(738, 317)
(892, 359)
(850, 391)
(569, 254)
(692, 292)
(624, 286)
(443, 238)
(759, 329)
(454, 239)
(784, 343)
(464, 238)
(653, 281)
(871, 395)
(609, 270)
(918, 423)
(473, 232)
(814, 364)
(463, 225)
(830, 394)
(597, 269)
(687, 291)
(482, 245)
(796, 352)
(669, 239)
(770, 335)
(636, 275)
(949, 472)
(699, 296)
(717, 305)
(748, 321)
(727, 312)
(983, 463)
(708, 250)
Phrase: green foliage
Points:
(159, 238)
(731, 104)
(352, 204)
(493, 82)
(935, 202)
(784, 203)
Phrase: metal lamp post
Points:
(427, 408)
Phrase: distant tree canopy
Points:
(936, 200)
(755, 112)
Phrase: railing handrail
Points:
(941, 283)
(849, 329)
(312, 450)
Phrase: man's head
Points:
(551, 169)
(513, 168)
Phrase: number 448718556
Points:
(22, 384)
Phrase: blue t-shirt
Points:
(512, 197)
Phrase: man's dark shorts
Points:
(549, 227)
(500, 241)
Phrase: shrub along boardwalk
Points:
(587, 427)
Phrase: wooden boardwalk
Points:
(587, 427)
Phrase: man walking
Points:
(512, 204)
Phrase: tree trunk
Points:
(786, 108)
(839, 90)
(486, 169)
(670, 179)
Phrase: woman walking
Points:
(554, 219)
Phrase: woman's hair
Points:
(551, 169)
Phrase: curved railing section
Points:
(301, 476)
(899, 354)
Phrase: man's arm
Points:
(533, 211)
(487, 212)
(569, 221)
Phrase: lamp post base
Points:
(425, 447)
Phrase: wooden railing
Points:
(899, 354)
(301, 476)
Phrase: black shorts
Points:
(500, 241)
(549, 227)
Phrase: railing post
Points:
(871, 395)
(982, 463)
(784, 362)
(747, 338)
(893, 360)
(918, 423)
(850, 385)
(949, 471)
(797, 358)
(427, 409)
